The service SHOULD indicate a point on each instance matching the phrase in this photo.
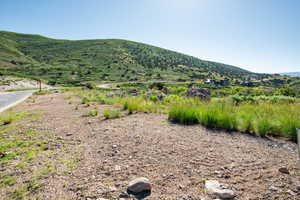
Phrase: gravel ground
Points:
(176, 159)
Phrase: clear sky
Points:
(258, 35)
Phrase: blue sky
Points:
(258, 35)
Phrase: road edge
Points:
(16, 102)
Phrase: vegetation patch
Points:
(92, 113)
(111, 113)
(262, 119)
(25, 153)
(261, 115)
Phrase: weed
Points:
(111, 114)
(183, 114)
(8, 180)
(92, 113)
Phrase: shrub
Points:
(208, 119)
(183, 114)
(131, 105)
(263, 119)
(111, 114)
(92, 113)
(90, 85)
(157, 85)
(84, 100)
(289, 126)
(264, 127)
(246, 123)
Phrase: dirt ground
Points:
(108, 154)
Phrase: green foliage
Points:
(75, 62)
(184, 114)
(91, 85)
(111, 113)
(8, 180)
(260, 115)
(261, 99)
(92, 113)
(157, 85)
(8, 118)
(262, 119)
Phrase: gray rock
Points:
(124, 195)
(284, 170)
(139, 185)
(216, 189)
(202, 93)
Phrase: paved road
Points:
(9, 99)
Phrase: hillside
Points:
(72, 62)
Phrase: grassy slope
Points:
(65, 61)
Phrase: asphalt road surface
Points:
(9, 99)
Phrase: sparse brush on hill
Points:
(75, 62)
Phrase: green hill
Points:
(72, 62)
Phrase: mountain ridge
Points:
(73, 61)
(293, 74)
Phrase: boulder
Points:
(218, 190)
(202, 93)
(139, 185)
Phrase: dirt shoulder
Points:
(93, 158)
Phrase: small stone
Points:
(112, 189)
(284, 170)
(214, 188)
(124, 195)
(139, 185)
(100, 191)
(117, 168)
(291, 192)
(273, 188)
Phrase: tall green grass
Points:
(263, 119)
(264, 116)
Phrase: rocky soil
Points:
(176, 159)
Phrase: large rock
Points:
(216, 189)
(139, 185)
(202, 93)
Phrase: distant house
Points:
(207, 81)
(217, 82)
